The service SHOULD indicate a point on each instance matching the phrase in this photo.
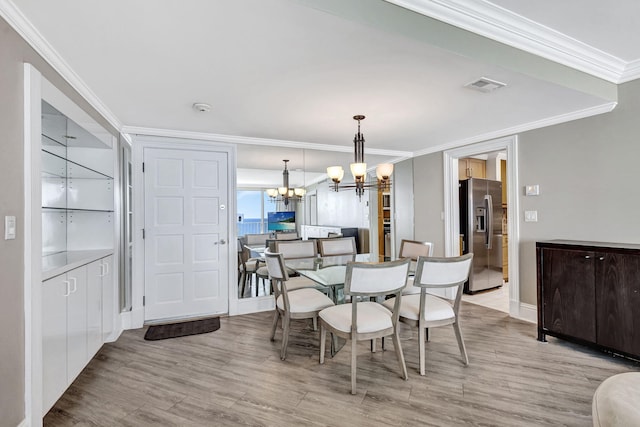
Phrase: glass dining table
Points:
(329, 272)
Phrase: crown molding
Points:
(631, 72)
(549, 121)
(494, 22)
(16, 19)
(232, 139)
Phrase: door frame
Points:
(451, 209)
(150, 141)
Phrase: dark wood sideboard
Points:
(589, 293)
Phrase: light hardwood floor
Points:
(234, 376)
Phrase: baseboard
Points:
(528, 313)
(24, 423)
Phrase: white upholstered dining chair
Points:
(413, 249)
(367, 320)
(425, 310)
(298, 304)
(337, 246)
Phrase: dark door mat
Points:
(182, 329)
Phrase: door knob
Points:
(222, 241)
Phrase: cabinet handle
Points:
(601, 258)
(75, 284)
(102, 270)
(67, 292)
(106, 268)
(587, 257)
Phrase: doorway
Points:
(498, 150)
(184, 228)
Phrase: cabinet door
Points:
(617, 300)
(108, 298)
(95, 271)
(77, 323)
(568, 289)
(54, 339)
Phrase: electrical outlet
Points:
(530, 216)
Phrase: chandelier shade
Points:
(359, 169)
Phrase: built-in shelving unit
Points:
(77, 192)
(78, 235)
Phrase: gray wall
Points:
(587, 172)
(589, 189)
(403, 202)
(428, 188)
(14, 52)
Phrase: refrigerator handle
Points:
(488, 201)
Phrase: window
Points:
(252, 217)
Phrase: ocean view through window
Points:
(252, 215)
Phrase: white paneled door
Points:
(186, 235)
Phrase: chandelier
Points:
(359, 169)
(284, 194)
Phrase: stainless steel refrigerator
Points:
(481, 231)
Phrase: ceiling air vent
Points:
(484, 84)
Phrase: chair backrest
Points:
(275, 265)
(337, 246)
(293, 235)
(367, 279)
(241, 259)
(435, 272)
(296, 249)
(414, 249)
(256, 239)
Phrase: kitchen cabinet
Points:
(472, 168)
(587, 292)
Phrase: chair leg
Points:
(315, 323)
(323, 340)
(354, 352)
(373, 345)
(422, 333)
(400, 355)
(241, 283)
(463, 350)
(274, 326)
(285, 335)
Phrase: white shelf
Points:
(55, 264)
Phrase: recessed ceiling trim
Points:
(16, 19)
(504, 26)
(549, 121)
(232, 139)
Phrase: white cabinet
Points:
(77, 315)
(54, 339)
(64, 332)
(95, 273)
(318, 231)
(108, 297)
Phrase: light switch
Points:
(532, 190)
(530, 216)
(9, 227)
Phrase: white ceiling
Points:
(292, 73)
